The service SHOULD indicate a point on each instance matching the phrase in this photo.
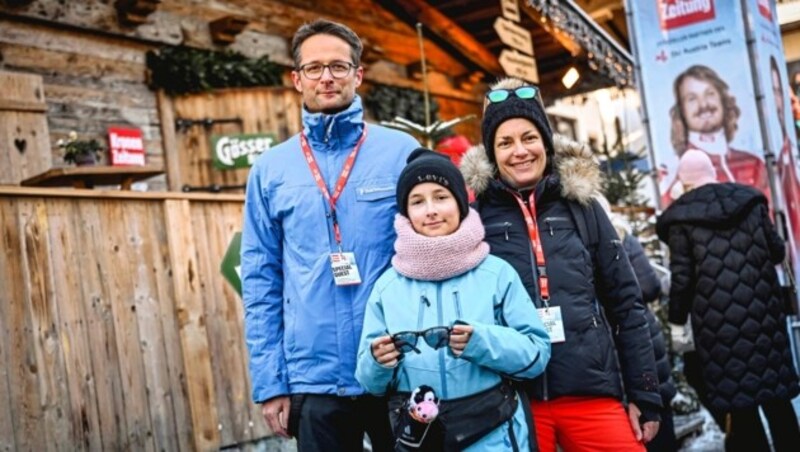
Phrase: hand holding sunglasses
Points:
(385, 352)
(459, 337)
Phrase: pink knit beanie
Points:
(695, 169)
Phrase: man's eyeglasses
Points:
(338, 69)
(523, 92)
(436, 338)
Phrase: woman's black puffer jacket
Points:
(600, 336)
(723, 249)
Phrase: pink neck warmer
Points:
(439, 258)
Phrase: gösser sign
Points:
(239, 151)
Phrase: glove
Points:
(682, 340)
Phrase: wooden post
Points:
(170, 144)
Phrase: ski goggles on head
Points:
(436, 337)
(523, 92)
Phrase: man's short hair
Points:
(730, 114)
(322, 26)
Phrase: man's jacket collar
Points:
(343, 128)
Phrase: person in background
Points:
(534, 192)
(470, 307)
(317, 234)
(650, 284)
(723, 250)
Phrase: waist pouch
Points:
(462, 421)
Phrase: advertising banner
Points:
(781, 138)
(697, 79)
(698, 89)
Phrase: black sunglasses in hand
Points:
(436, 337)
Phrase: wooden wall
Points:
(262, 110)
(118, 331)
(94, 70)
(90, 81)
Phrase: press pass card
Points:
(345, 270)
(551, 317)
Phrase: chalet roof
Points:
(565, 33)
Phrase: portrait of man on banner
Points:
(787, 162)
(705, 116)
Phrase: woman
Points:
(723, 251)
(535, 197)
(470, 308)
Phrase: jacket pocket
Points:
(498, 229)
(376, 204)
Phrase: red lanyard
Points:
(536, 243)
(348, 166)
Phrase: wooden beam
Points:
(448, 30)
(225, 29)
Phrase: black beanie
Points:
(424, 165)
(497, 113)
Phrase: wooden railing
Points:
(117, 331)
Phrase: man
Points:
(705, 117)
(317, 234)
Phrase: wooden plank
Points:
(18, 105)
(232, 419)
(230, 223)
(78, 62)
(192, 319)
(56, 39)
(116, 194)
(159, 265)
(28, 421)
(170, 143)
(68, 295)
(92, 259)
(451, 32)
(20, 87)
(92, 175)
(10, 273)
(143, 250)
(123, 306)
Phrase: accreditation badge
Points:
(553, 323)
(345, 270)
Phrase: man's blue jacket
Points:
(302, 330)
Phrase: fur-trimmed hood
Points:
(574, 163)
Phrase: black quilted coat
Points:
(723, 248)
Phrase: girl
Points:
(479, 326)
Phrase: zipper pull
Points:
(507, 225)
(594, 321)
(424, 300)
(550, 225)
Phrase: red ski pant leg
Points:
(584, 424)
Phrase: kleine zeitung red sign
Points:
(126, 147)
(679, 13)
